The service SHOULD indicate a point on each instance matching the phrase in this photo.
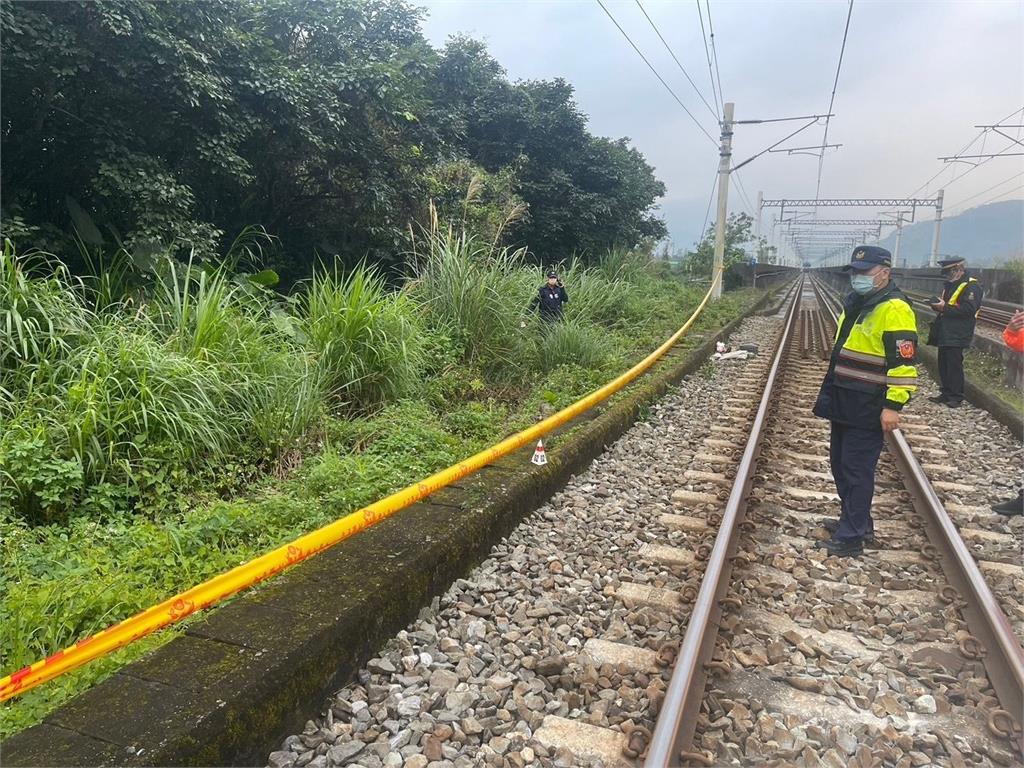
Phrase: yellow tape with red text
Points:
(263, 567)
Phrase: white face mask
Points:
(862, 284)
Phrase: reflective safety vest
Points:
(954, 300)
(880, 351)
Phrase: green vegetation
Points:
(202, 419)
(274, 261)
(329, 123)
(989, 372)
(738, 234)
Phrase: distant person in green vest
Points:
(953, 328)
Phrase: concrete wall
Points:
(1000, 284)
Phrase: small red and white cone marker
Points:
(539, 457)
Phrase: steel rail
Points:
(677, 720)
(1000, 651)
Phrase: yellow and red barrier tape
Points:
(263, 567)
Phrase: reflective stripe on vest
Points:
(862, 357)
(954, 300)
(875, 378)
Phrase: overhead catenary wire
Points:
(960, 203)
(656, 74)
(711, 199)
(1001, 153)
(714, 52)
(676, 60)
(831, 101)
(963, 151)
(1001, 194)
(743, 193)
(773, 146)
(707, 53)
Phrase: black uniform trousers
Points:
(951, 373)
(853, 453)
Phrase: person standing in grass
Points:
(550, 298)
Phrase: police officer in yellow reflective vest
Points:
(953, 330)
(871, 376)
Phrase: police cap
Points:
(867, 256)
(552, 273)
(956, 261)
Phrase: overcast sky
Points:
(916, 78)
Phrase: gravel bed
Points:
(471, 680)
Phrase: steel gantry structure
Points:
(900, 217)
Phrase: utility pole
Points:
(933, 260)
(757, 230)
(724, 161)
(899, 239)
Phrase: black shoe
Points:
(833, 525)
(1010, 506)
(938, 399)
(953, 403)
(841, 548)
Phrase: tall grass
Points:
(115, 399)
(99, 408)
(40, 316)
(570, 343)
(364, 339)
(476, 293)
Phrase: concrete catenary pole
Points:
(724, 161)
(899, 239)
(757, 231)
(933, 260)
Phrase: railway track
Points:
(901, 657)
(566, 646)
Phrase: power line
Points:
(707, 53)
(979, 194)
(714, 52)
(660, 78)
(831, 101)
(814, 119)
(1001, 194)
(966, 147)
(711, 198)
(657, 31)
(743, 193)
(977, 165)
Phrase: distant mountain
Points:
(986, 236)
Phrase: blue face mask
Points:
(862, 284)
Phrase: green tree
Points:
(584, 194)
(327, 122)
(738, 232)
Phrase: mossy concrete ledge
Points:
(238, 681)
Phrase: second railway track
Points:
(796, 658)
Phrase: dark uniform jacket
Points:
(852, 396)
(550, 300)
(954, 326)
